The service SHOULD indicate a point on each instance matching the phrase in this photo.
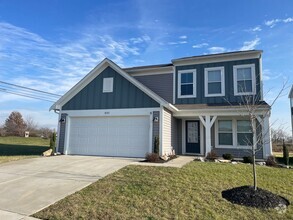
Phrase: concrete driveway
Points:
(29, 185)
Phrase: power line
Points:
(36, 90)
(25, 92)
(28, 96)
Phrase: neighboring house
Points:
(191, 104)
(291, 107)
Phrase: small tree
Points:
(14, 124)
(53, 141)
(285, 153)
(31, 126)
(254, 108)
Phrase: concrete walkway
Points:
(178, 162)
(27, 186)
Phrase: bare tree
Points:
(46, 132)
(14, 124)
(257, 111)
(31, 125)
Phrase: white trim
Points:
(260, 78)
(217, 111)
(206, 84)
(98, 70)
(180, 72)
(67, 133)
(253, 79)
(214, 58)
(110, 112)
(151, 133)
(234, 134)
(161, 130)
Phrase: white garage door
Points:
(109, 136)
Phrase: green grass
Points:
(16, 148)
(192, 192)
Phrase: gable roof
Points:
(95, 72)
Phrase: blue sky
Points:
(51, 45)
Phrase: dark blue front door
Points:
(192, 137)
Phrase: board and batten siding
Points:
(124, 95)
(61, 138)
(229, 84)
(161, 84)
(156, 128)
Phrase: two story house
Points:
(193, 105)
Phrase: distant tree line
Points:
(16, 125)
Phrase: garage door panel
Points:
(109, 136)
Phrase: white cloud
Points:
(250, 45)
(183, 37)
(139, 40)
(177, 42)
(257, 28)
(200, 45)
(268, 75)
(272, 23)
(217, 49)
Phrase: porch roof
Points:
(261, 104)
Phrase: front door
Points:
(192, 137)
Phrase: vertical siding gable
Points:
(229, 87)
(124, 95)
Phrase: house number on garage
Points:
(107, 113)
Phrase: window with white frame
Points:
(244, 133)
(214, 81)
(108, 85)
(225, 132)
(244, 79)
(233, 133)
(187, 83)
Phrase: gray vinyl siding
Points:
(237, 153)
(61, 138)
(161, 84)
(167, 132)
(124, 95)
(156, 127)
(178, 149)
(229, 87)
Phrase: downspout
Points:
(57, 111)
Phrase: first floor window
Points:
(225, 132)
(244, 133)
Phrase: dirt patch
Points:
(247, 196)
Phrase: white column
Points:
(208, 134)
(266, 134)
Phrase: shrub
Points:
(156, 145)
(285, 154)
(228, 156)
(152, 157)
(271, 161)
(53, 141)
(212, 155)
(247, 159)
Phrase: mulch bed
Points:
(247, 196)
(160, 160)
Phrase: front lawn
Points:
(192, 192)
(16, 148)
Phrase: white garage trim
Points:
(113, 113)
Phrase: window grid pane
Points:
(225, 139)
(214, 88)
(244, 86)
(225, 125)
(186, 78)
(214, 76)
(187, 89)
(244, 73)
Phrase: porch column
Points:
(208, 123)
(266, 135)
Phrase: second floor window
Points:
(187, 83)
(214, 81)
(244, 79)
